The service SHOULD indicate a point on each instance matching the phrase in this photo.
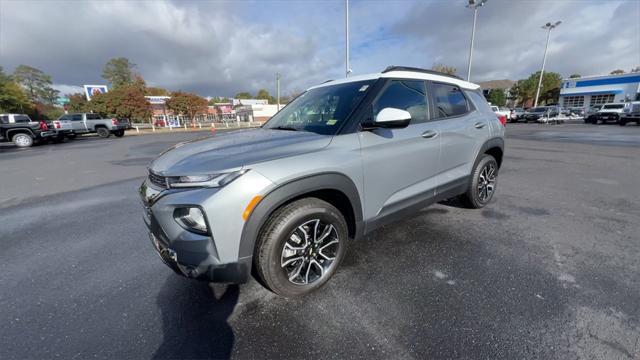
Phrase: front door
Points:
(79, 125)
(399, 165)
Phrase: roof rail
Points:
(414, 69)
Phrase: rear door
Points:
(78, 123)
(399, 164)
(463, 130)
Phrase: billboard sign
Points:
(90, 90)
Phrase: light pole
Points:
(346, 25)
(278, 90)
(548, 26)
(473, 4)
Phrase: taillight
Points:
(503, 119)
(43, 126)
(56, 124)
(114, 121)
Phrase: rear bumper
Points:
(46, 134)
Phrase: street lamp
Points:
(473, 4)
(548, 26)
(278, 89)
(346, 33)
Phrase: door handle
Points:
(480, 125)
(429, 134)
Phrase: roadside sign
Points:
(90, 90)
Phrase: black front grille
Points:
(158, 180)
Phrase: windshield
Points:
(322, 110)
(613, 106)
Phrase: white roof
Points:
(404, 75)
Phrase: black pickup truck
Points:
(19, 129)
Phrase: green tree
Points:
(78, 103)
(497, 97)
(12, 96)
(243, 95)
(263, 94)
(35, 81)
(118, 72)
(50, 95)
(617, 72)
(575, 76)
(444, 69)
(550, 90)
(189, 104)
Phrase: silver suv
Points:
(342, 159)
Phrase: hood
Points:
(234, 149)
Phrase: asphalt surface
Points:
(550, 269)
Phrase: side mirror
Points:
(390, 118)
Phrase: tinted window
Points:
(4, 119)
(449, 100)
(409, 95)
(65, 117)
(76, 117)
(480, 102)
(93, 117)
(614, 106)
(21, 119)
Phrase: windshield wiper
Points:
(285, 128)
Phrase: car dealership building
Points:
(586, 92)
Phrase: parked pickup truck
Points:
(85, 123)
(609, 112)
(630, 113)
(22, 131)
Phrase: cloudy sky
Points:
(220, 48)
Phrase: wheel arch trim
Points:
(291, 190)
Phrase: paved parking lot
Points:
(549, 270)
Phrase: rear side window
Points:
(21, 119)
(449, 100)
(76, 117)
(4, 119)
(93, 117)
(409, 95)
(65, 117)
(479, 101)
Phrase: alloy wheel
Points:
(309, 252)
(487, 182)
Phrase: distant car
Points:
(22, 131)
(590, 114)
(85, 123)
(630, 113)
(540, 113)
(516, 114)
(609, 112)
(578, 112)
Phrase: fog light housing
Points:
(192, 219)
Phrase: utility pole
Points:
(473, 4)
(278, 89)
(346, 24)
(548, 26)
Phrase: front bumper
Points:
(214, 256)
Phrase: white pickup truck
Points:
(85, 123)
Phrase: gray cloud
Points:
(216, 48)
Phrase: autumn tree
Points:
(444, 69)
(12, 97)
(35, 81)
(77, 103)
(156, 91)
(118, 72)
(126, 101)
(188, 104)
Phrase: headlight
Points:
(192, 219)
(212, 180)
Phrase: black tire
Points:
(118, 133)
(22, 140)
(474, 197)
(103, 132)
(279, 234)
(71, 136)
(622, 122)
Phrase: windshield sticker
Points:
(364, 88)
(332, 122)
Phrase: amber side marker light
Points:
(252, 204)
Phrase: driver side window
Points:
(409, 95)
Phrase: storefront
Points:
(596, 90)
